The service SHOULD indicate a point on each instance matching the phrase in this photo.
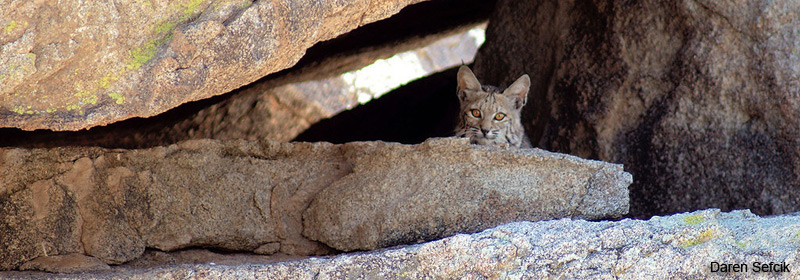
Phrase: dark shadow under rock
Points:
(424, 108)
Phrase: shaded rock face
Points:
(680, 246)
(698, 99)
(111, 204)
(78, 65)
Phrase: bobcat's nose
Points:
(485, 132)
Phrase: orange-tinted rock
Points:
(76, 65)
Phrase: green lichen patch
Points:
(164, 27)
(740, 244)
(701, 238)
(117, 97)
(191, 8)
(84, 96)
(91, 99)
(13, 25)
(694, 219)
(140, 56)
(106, 81)
(238, 4)
(163, 33)
(145, 53)
(24, 110)
(18, 109)
(10, 26)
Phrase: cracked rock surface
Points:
(112, 204)
(680, 246)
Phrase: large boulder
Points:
(76, 64)
(405, 194)
(111, 204)
(698, 99)
(681, 246)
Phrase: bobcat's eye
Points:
(476, 113)
(499, 116)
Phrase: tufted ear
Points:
(519, 90)
(466, 80)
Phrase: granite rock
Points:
(76, 64)
(112, 204)
(406, 194)
(679, 246)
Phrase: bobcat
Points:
(490, 115)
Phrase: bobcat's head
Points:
(490, 115)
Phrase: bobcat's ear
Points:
(519, 90)
(466, 80)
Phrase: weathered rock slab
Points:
(76, 64)
(112, 204)
(404, 194)
(680, 246)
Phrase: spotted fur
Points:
(490, 115)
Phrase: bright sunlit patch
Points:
(331, 96)
(387, 74)
(384, 75)
(479, 34)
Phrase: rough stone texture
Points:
(402, 195)
(76, 64)
(72, 263)
(700, 100)
(281, 113)
(111, 204)
(280, 106)
(681, 246)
